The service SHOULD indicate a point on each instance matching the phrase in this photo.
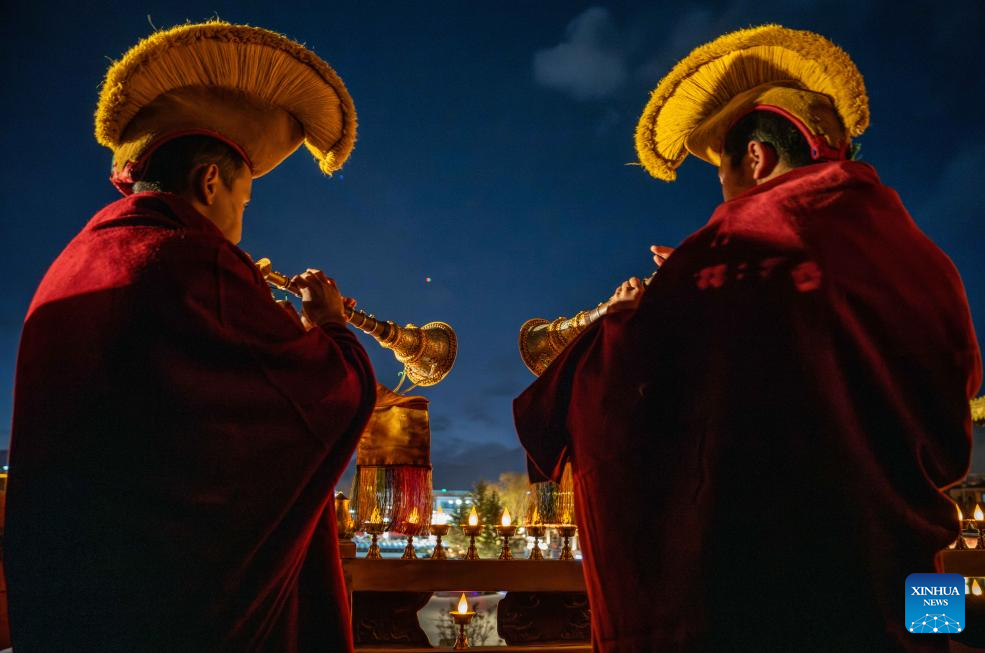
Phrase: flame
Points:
(507, 519)
(566, 519)
(535, 517)
(960, 515)
(376, 517)
(413, 519)
(473, 520)
(463, 605)
(439, 517)
(979, 515)
(976, 589)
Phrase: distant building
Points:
(448, 501)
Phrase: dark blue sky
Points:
(492, 156)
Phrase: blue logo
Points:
(935, 603)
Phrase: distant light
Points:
(427, 279)
(458, 502)
(5, 468)
(442, 489)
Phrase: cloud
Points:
(440, 423)
(588, 64)
(459, 468)
(506, 376)
(457, 464)
(950, 197)
(478, 409)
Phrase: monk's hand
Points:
(661, 253)
(321, 302)
(627, 296)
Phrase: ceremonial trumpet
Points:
(427, 352)
(541, 340)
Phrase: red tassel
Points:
(401, 494)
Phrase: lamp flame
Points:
(413, 518)
(473, 520)
(507, 519)
(375, 518)
(960, 515)
(979, 515)
(463, 605)
(976, 589)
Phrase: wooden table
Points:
(394, 575)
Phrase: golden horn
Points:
(427, 352)
(541, 341)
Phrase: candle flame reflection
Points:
(473, 520)
(507, 518)
(979, 515)
(463, 605)
(976, 589)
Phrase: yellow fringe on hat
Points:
(199, 55)
(978, 410)
(716, 72)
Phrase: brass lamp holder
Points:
(567, 531)
(461, 619)
(439, 530)
(506, 532)
(409, 552)
(971, 536)
(536, 532)
(471, 531)
(375, 529)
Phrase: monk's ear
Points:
(762, 158)
(205, 181)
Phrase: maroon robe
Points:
(176, 441)
(759, 449)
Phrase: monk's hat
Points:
(799, 75)
(256, 90)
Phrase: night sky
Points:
(494, 156)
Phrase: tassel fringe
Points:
(552, 503)
(401, 494)
(256, 61)
(716, 72)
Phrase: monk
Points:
(177, 435)
(759, 440)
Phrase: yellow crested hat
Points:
(797, 74)
(258, 91)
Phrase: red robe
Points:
(176, 442)
(759, 449)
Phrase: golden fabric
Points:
(398, 432)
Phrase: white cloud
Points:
(588, 64)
